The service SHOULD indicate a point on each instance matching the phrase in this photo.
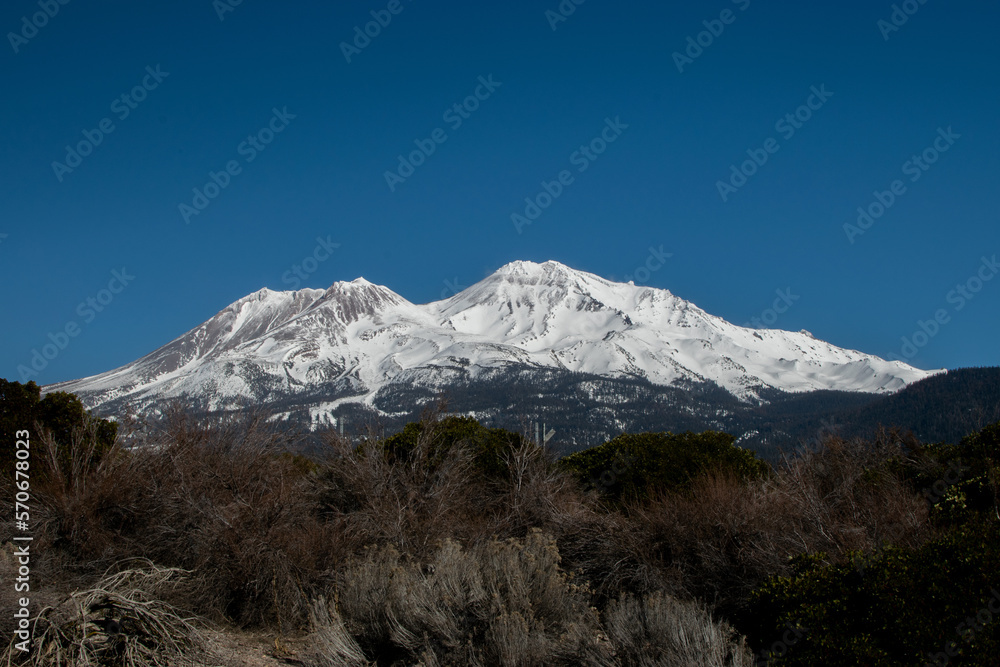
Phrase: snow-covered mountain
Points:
(355, 342)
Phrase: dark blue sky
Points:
(323, 176)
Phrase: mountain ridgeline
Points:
(532, 342)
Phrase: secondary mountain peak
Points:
(359, 298)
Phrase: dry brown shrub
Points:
(720, 538)
(498, 603)
(660, 631)
(538, 495)
(612, 553)
(443, 582)
(850, 495)
(406, 503)
(415, 502)
(724, 537)
(219, 500)
(118, 622)
(331, 644)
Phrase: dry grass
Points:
(504, 602)
(118, 622)
(660, 631)
(331, 643)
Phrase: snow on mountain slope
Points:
(355, 338)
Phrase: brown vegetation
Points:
(427, 558)
(119, 621)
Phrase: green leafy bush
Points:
(433, 440)
(62, 414)
(895, 607)
(635, 466)
(960, 481)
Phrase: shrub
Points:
(415, 496)
(401, 501)
(498, 603)
(720, 537)
(332, 645)
(217, 500)
(431, 439)
(960, 481)
(637, 466)
(849, 495)
(118, 622)
(507, 603)
(662, 631)
(451, 543)
(896, 607)
(60, 414)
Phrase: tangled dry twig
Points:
(119, 622)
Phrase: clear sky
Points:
(309, 116)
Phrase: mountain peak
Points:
(350, 284)
(356, 339)
(525, 266)
(533, 273)
(357, 298)
(359, 287)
